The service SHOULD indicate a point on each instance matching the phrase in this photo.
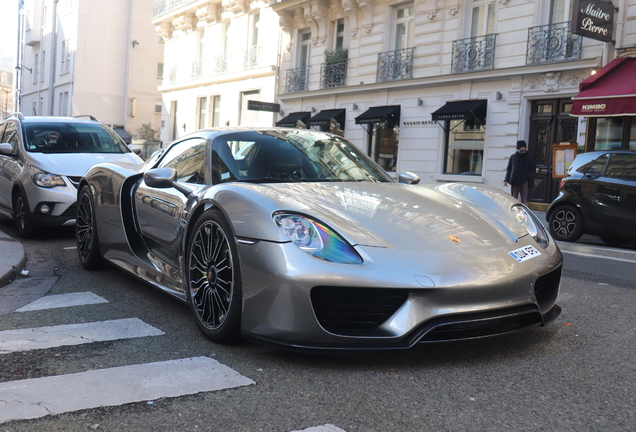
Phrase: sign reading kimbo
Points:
(594, 19)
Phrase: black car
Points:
(598, 197)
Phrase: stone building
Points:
(444, 88)
(92, 57)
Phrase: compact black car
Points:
(598, 197)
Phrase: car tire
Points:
(566, 223)
(22, 216)
(86, 237)
(614, 241)
(213, 279)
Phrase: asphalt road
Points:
(577, 374)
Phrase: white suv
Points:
(41, 162)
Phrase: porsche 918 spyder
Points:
(297, 238)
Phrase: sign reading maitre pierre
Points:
(593, 19)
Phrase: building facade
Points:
(6, 87)
(444, 88)
(90, 57)
(221, 59)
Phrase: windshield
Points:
(72, 138)
(284, 156)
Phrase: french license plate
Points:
(525, 253)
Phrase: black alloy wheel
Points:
(22, 216)
(566, 223)
(213, 279)
(88, 249)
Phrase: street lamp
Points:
(19, 67)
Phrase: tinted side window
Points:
(11, 135)
(187, 158)
(598, 167)
(1, 131)
(622, 166)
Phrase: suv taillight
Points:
(561, 183)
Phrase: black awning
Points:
(292, 119)
(390, 113)
(119, 130)
(462, 110)
(324, 117)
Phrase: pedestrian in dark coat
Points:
(520, 172)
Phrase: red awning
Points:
(610, 92)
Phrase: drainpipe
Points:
(129, 48)
(53, 61)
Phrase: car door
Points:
(9, 165)
(592, 189)
(161, 213)
(618, 192)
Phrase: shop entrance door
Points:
(550, 122)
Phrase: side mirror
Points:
(164, 178)
(6, 149)
(407, 177)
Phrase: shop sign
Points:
(594, 19)
(262, 106)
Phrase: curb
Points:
(12, 259)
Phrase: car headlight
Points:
(532, 225)
(316, 239)
(45, 179)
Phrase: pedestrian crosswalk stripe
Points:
(323, 428)
(38, 397)
(63, 300)
(74, 334)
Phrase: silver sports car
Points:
(297, 238)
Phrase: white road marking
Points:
(38, 397)
(323, 428)
(63, 300)
(70, 248)
(598, 256)
(73, 334)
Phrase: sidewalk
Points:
(12, 258)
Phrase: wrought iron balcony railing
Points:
(472, 54)
(333, 74)
(553, 42)
(296, 79)
(161, 7)
(395, 65)
(251, 57)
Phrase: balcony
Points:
(296, 79)
(164, 6)
(551, 43)
(473, 54)
(210, 67)
(395, 65)
(333, 74)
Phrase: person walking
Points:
(520, 172)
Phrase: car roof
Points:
(53, 119)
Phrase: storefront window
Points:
(384, 146)
(632, 135)
(609, 133)
(464, 148)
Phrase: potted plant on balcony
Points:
(334, 73)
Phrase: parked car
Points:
(41, 162)
(297, 238)
(598, 197)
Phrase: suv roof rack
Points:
(19, 115)
(87, 115)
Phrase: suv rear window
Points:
(72, 138)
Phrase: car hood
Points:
(76, 164)
(392, 215)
